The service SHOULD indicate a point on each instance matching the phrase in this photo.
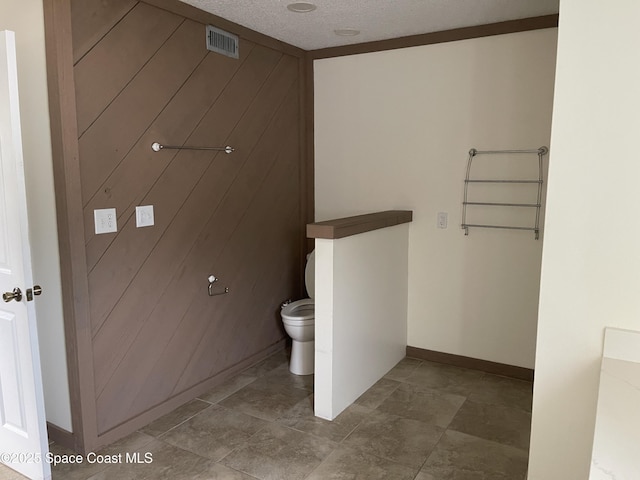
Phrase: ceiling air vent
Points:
(222, 42)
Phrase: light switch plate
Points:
(144, 216)
(443, 219)
(105, 220)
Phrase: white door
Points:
(23, 436)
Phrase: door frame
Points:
(73, 266)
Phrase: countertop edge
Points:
(348, 226)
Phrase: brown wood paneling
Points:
(209, 207)
(345, 227)
(92, 19)
(188, 218)
(259, 279)
(106, 69)
(209, 322)
(238, 259)
(513, 371)
(141, 167)
(500, 28)
(173, 187)
(114, 133)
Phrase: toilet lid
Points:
(310, 274)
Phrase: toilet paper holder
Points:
(212, 279)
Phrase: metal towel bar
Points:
(537, 205)
(156, 147)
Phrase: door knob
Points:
(15, 295)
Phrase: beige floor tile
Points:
(346, 463)
(497, 390)
(268, 364)
(8, 474)
(74, 471)
(403, 369)
(509, 426)
(378, 393)
(401, 440)
(265, 399)
(227, 388)
(214, 432)
(422, 404)
(459, 456)
(282, 376)
(302, 418)
(279, 453)
(260, 425)
(445, 378)
(170, 463)
(175, 418)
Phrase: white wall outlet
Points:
(144, 216)
(105, 220)
(443, 219)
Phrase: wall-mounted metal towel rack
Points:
(156, 147)
(540, 152)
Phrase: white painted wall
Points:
(361, 314)
(590, 269)
(393, 130)
(25, 17)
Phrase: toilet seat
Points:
(300, 312)
(299, 321)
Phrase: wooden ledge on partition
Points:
(345, 227)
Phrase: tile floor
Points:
(422, 421)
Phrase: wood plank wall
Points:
(143, 74)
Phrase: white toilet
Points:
(299, 322)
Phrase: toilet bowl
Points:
(299, 322)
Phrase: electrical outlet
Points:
(443, 219)
(144, 216)
(105, 220)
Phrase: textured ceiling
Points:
(376, 19)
